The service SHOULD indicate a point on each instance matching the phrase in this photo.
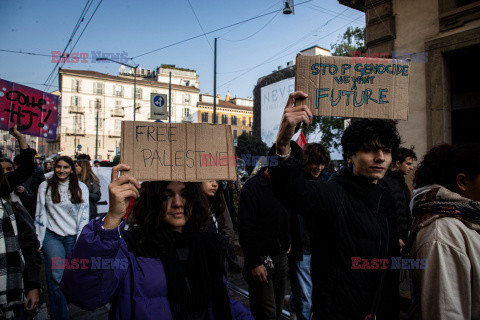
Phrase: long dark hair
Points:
(73, 185)
(149, 209)
(86, 175)
(216, 204)
(443, 163)
(5, 189)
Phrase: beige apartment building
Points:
(237, 112)
(93, 105)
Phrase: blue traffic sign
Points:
(159, 101)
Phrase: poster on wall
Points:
(274, 98)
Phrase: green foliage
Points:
(332, 128)
(251, 146)
(352, 40)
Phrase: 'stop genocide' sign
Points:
(178, 151)
(337, 86)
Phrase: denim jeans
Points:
(266, 299)
(55, 246)
(301, 283)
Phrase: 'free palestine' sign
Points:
(178, 151)
(337, 86)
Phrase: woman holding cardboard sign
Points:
(166, 268)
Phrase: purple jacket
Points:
(136, 287)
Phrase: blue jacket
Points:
(136, 287)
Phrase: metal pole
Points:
(215, 83)
(75, 135)
(134, 92)
(96, 134)
(170, 97)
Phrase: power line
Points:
(311, 6)
(200, 24)
(235, 28)
(248, 37)
(79, 21)
(222, 28)
(78, 39)
(283, 50)
(29, 53)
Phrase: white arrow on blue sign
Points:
(158, 106)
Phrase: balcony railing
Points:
(120, 112)
(75, 132)
(77, 109)
(115, 133)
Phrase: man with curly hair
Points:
(352, 215)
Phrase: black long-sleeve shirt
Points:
(263, 226)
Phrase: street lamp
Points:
(134, 81)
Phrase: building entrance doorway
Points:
(464, 72)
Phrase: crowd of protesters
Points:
(336, 235)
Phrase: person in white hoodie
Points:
(61, 213)
(445, 234)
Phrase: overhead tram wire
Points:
(212, 31)
(75, 29)
(328, 13)
(79, 37)
(270, 59)
(248, 37)
(200, 24)
(235, 28)
(28, 53)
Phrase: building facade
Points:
(442, 40)
(93, 105)
(237, 112)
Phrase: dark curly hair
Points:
(369, 132)
(149, 209)
(444, 162)
(315, 153)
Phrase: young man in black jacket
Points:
(352, 215)
(402, 164)
(315, 158)
(264, 238)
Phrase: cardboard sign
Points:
(33, 111)
(178, 151)
(354, 88)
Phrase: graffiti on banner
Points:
(33, 111)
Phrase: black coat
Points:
(351, 217)
(395, 181)
(94, 195)
(262, 222)
(25, 170)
